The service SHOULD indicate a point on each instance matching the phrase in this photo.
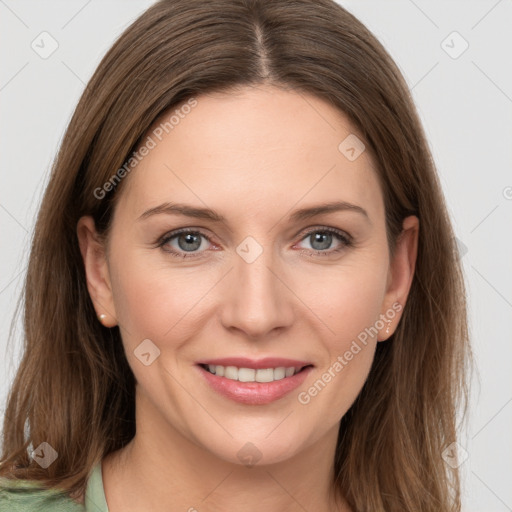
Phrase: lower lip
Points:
(254, 393)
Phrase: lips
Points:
(254, 392)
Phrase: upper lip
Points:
(256, 364)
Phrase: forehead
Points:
(252, 150)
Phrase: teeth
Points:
(267, 374)
(289, 372)
(230, 372)
(247, 375)
(252, 375)
(279, 373)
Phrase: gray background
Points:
(465, 104)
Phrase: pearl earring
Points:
(102, 317)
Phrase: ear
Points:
(400, 276)
(96, 271)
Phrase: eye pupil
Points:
(326, 238)
(193, 242)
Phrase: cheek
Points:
(346, 298)
(355, 305)
(349, 303)
(156, 301)
(350, 308)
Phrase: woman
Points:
(243, 289)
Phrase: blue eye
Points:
(323, 238)
(189, 241)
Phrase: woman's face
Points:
(279, 277)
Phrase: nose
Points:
(256, 299)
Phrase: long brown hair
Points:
(74, 385)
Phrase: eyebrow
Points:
(208, 214)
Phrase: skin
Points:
(254, 157)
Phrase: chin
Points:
(260, 450)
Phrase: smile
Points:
(254, 386)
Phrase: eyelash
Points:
(345, 239)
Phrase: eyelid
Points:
(328, 229)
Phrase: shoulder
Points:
(28, 496)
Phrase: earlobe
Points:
(402, 269)
(96, 271)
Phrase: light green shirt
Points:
(28, 496)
